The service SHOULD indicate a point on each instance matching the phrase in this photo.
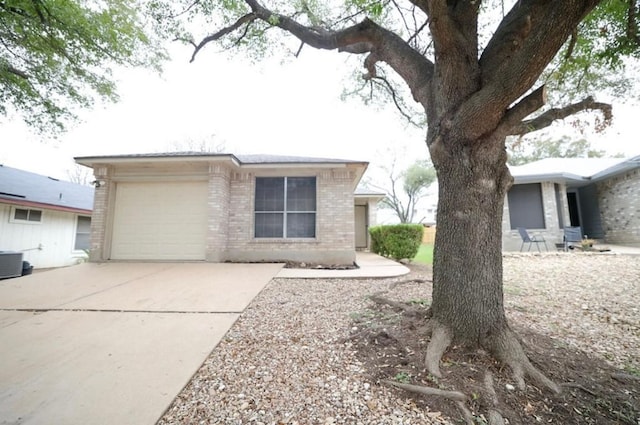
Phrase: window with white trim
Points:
(25, 215)
(83, 233)
(285, 207)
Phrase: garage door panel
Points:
(160, 221)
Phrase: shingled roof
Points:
(250, 159)
(20, 187)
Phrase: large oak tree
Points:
(477, 70)
(477, 81)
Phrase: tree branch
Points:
(526, 40)
(632, 22)
(364, 37)
(548, 117)
(246, 19)
(525, 107)
(15, 71)
(396, 101)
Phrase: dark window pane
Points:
(84, 224)
(269, 225)
(525, 206)
(301, 225)
(21, 214)
(301, 194)
(35, 215)
(269, 194)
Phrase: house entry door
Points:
(361, 226)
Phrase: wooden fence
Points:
(429, 235)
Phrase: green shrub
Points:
(397, 241)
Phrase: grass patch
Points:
(425, 254)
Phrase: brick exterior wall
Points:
(99, 217)
(218, 195)
(619, 201)
(230, 219)
(335, 226)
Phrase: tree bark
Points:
(467, 282)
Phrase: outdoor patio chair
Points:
(526, 238)
(571, 235)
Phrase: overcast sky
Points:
(292, 108)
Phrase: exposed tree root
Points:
(504, 345)
(420, 389)
(495, 417)
(404, 308)
(466, 413)
(578, 386)
(440, 339)
(393, 285)
(625, 377)
(378, 299)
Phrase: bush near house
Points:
(397, 241)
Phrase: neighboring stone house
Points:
(600, 195)
(224, 207)
(46, 219)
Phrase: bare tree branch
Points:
(418, 31)
(632, 22)
(248, 18)
(396, 100)
(515, 57)
(17, 72)
(548, 117)
(572, 44)
(525, 107)
(364, 37)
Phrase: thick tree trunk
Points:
(467, 272)
(468, 305)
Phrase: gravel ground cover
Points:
(292, 357)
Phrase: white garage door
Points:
(160, 221)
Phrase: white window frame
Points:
(75, 234)
(285, 212)
(13, 219)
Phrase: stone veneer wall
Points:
(619, 200)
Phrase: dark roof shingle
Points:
(22, 186)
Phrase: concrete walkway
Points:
(369, 266)
(113, 343)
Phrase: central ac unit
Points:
(10, 264)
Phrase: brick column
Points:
(218, 213)
(99, 218)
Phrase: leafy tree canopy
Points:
(57, 56)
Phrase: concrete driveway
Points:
(113, 343)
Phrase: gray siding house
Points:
(600, 195)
